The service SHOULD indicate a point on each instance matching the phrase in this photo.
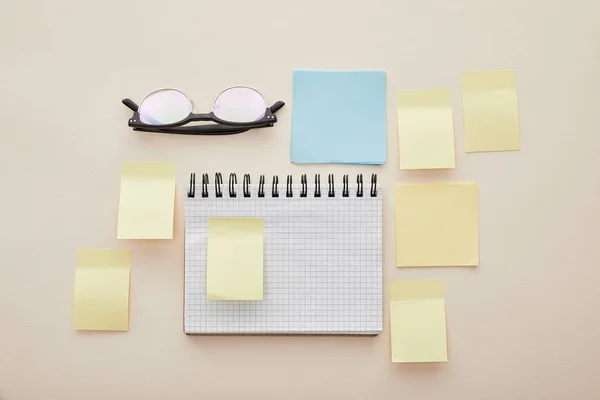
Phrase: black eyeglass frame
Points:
(220, 128)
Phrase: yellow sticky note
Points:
(425, 129)
(147, 201)
(491, 116)
(101, 290)
(235, 259)
(418, 321)
(437, 225)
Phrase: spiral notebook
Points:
(322, 256)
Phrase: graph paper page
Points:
(322, 267)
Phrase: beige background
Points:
(523, 325)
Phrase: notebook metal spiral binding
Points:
(304, 183)
(192, 190)
(274, 189)
(218, 183)
(317, 185)
(232, 183)
(331, 190)
(275, 186)
(373, 185)
(359, 189)
(246, 185)
(204, 185)
(288, 187)
(261, 186)
(345, 191)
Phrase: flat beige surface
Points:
(524, 324)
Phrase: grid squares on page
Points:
(323, 264)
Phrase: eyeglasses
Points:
(235, 110)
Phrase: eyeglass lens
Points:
(240, 104)
(165, 106)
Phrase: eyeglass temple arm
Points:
(276, 106)
(130, 104)
(134, 107)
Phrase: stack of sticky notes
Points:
(339, 117)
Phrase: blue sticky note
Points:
(339, 117)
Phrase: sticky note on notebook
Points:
(418, 321)
(425, 129)
(490, 111)
(101, 290)
(437, 225)
(235, 260)
(339, 117)
(147, 200)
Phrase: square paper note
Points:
(418, 321)
(235, 260)
(425, 129)
(101, 290)
(339, 117)
(491, 116)
(436, 225)
(147, 201)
